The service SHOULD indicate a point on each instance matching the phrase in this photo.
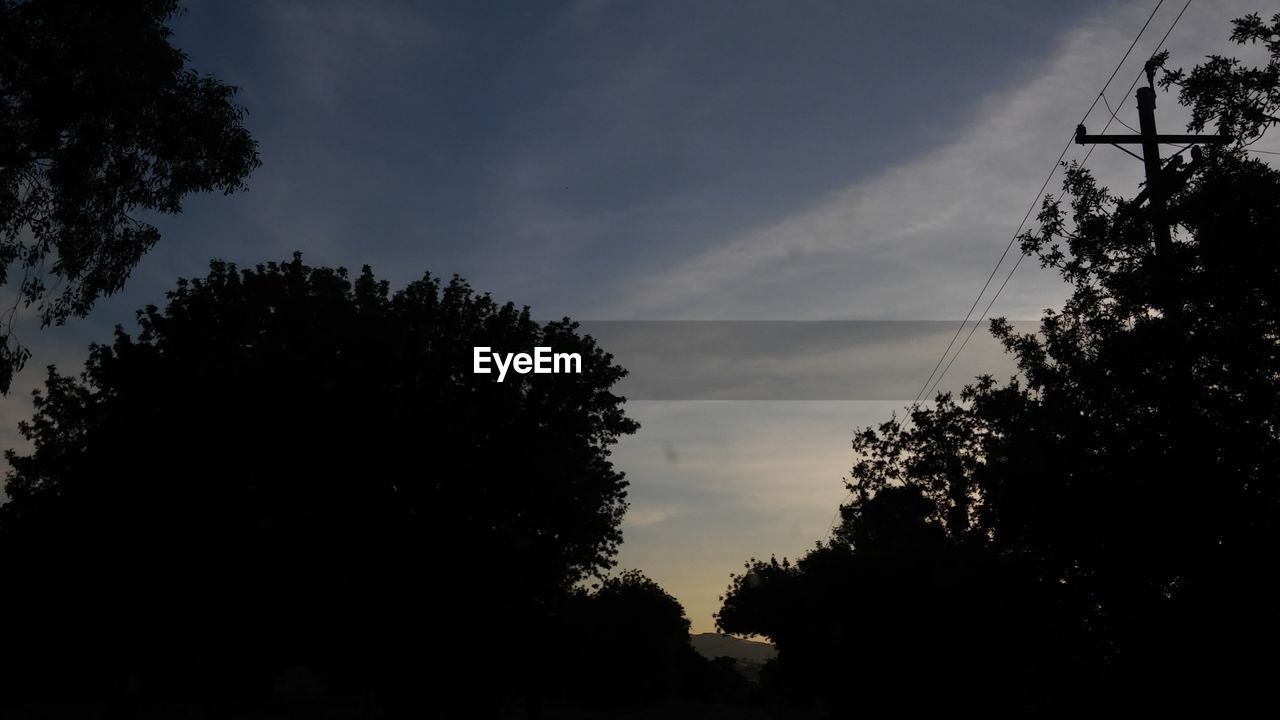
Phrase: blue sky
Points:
(710, 160)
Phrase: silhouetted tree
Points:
(893, 620)
(1121, 495)
(100, 121)
(628, 643)
(288, 468)
(1242, 101)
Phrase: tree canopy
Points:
(626, 643)
(1099, 533)
(101, 123)
(287, 466)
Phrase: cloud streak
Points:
(916, 240)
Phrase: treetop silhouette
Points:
(289, 466)
(1109, 516)
(101, 123)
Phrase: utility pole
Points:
(1161, 181)
(1158, 190)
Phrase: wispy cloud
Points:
(916, 240)
(330, 50)
(669, 161)
(913, 242)
(644, 515)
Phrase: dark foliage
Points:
(899, 622)
(287, 468)
(1241, 100)
(100, 121)
(627, 643)
(1099, 535)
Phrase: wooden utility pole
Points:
(1161, 182)
(1158, 189)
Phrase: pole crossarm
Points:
(1083, 138)
(1162, 179)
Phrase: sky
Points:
(862, 164)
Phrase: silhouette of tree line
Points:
(1097, 536)
(287, 492)
(292, 461)
(288, 487)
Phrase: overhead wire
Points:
(1009, 246)
(1107, 105)
(1161, 44)
(934, 375)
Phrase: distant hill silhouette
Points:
(714, 645)
(749, 656)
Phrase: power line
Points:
(924, 389)
(1138, 77)
(1107, 105)
(1082, 162)
(927, 389)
